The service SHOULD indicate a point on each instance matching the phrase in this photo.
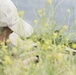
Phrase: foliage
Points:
(51, 44)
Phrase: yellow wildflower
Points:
(8, 60)
(7, 41)
(48, 42)
(14, 49)
(49, 55)
(74, 46)
(55, 35)
(44, 47)
(5, 47)
(59, 57)
(38, 43)
(28, 44)
(49, 1)
(19, 42)
(21, 13)
(68, 10)
(47, 45)
(64, 28)
(1, 43)
(46, 25)
(42, 12)
(19, 60)
(61, 47)
(35, 21)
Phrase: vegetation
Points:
(50, 47)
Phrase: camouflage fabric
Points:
(1, 30)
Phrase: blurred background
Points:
(62, 6)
